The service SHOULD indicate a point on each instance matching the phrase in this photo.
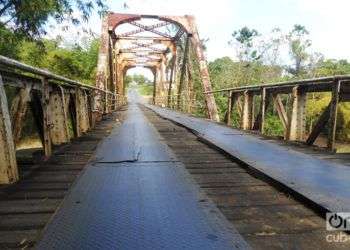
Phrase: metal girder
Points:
(149, 46)
(150, 52)
(145, 27)
(185, 25)
(148, 28)
(144, 38)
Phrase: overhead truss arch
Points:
(149, 41)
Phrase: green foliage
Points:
(245, 38)
(145, 89)
(298, 49)
(29, 17)
(140, 79)
(76, 63)
(273, 125)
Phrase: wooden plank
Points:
(8, 166)
(333, 115)
(18, 111)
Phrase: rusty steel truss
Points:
(56, 104)
(153, 42)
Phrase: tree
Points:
(28, 17)
(298, 49)
(244, 38)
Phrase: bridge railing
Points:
(251, 103)
(61, 109)
(180, 102)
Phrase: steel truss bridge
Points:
(116, 171)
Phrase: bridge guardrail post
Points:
(263, 107)
(247, 111)
(333, 114)
(8, 166)
(45, 100)
(229, 108)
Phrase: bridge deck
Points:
(153, 185)
(135, 194)
(323, 182)
(27, 206)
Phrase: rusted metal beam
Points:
(58, 126)
(319, 126)
(65, 107)
(18, 111)
(8, 166)
(204, 72)
(40, 72)
(182, 72)
(282, 114)
(145, 27)
(45, 99)
(263, 106)
(229, 108)
(144, 38)
(247, 111)
(148, 28)
(172, 78)
(333, 115)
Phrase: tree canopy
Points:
(29, 17)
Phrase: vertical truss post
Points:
(161, 83)
(263, 107)
(204, 72)
(247, 111)
(58, 128)
(154, 71)
(296, 117)
(46, 117)
(292, 117)
(190, 83)
(229, 108)
(77, 111)
(65, 112)
(301, 117)
(183, 70)
(171, 80)
(18, 111)
(102, 68)
(8, 166)
(333, 115)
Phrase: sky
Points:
(327, 21)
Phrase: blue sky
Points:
(326, 20)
